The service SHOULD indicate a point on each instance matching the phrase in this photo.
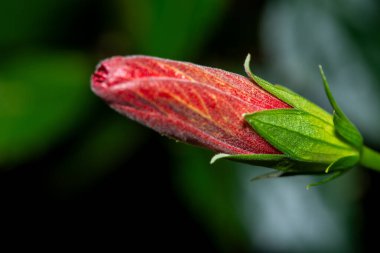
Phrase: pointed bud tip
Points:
(105, 71)
(100, 75)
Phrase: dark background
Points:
(74, 172)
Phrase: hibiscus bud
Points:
(248, 120)
(191, 103)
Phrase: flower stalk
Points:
(370, 159)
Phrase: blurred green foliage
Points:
(24, 22)
(42, 96)
(100, 150)
(213, 194)
(168, 28)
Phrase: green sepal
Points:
(276, 161)
(286, 95)
(266, 160)
(286, 166)
(343, 163)
(312, 141)
(279, 162)
(300, 135)
(326, 179)
(336, 169)
(344, 127)
(290, 166)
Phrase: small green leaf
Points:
(345, 128)
(300, 135)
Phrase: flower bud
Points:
(248, 120)
(191, 103)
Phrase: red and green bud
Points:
(248, 120)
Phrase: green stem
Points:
(370, 159)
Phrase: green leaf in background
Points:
(170, 28)
(99, 151)
(24, 21)
(42, 95)
(213, 194)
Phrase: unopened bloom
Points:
(245, 119)
(191, 103)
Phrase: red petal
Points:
(195, 104)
